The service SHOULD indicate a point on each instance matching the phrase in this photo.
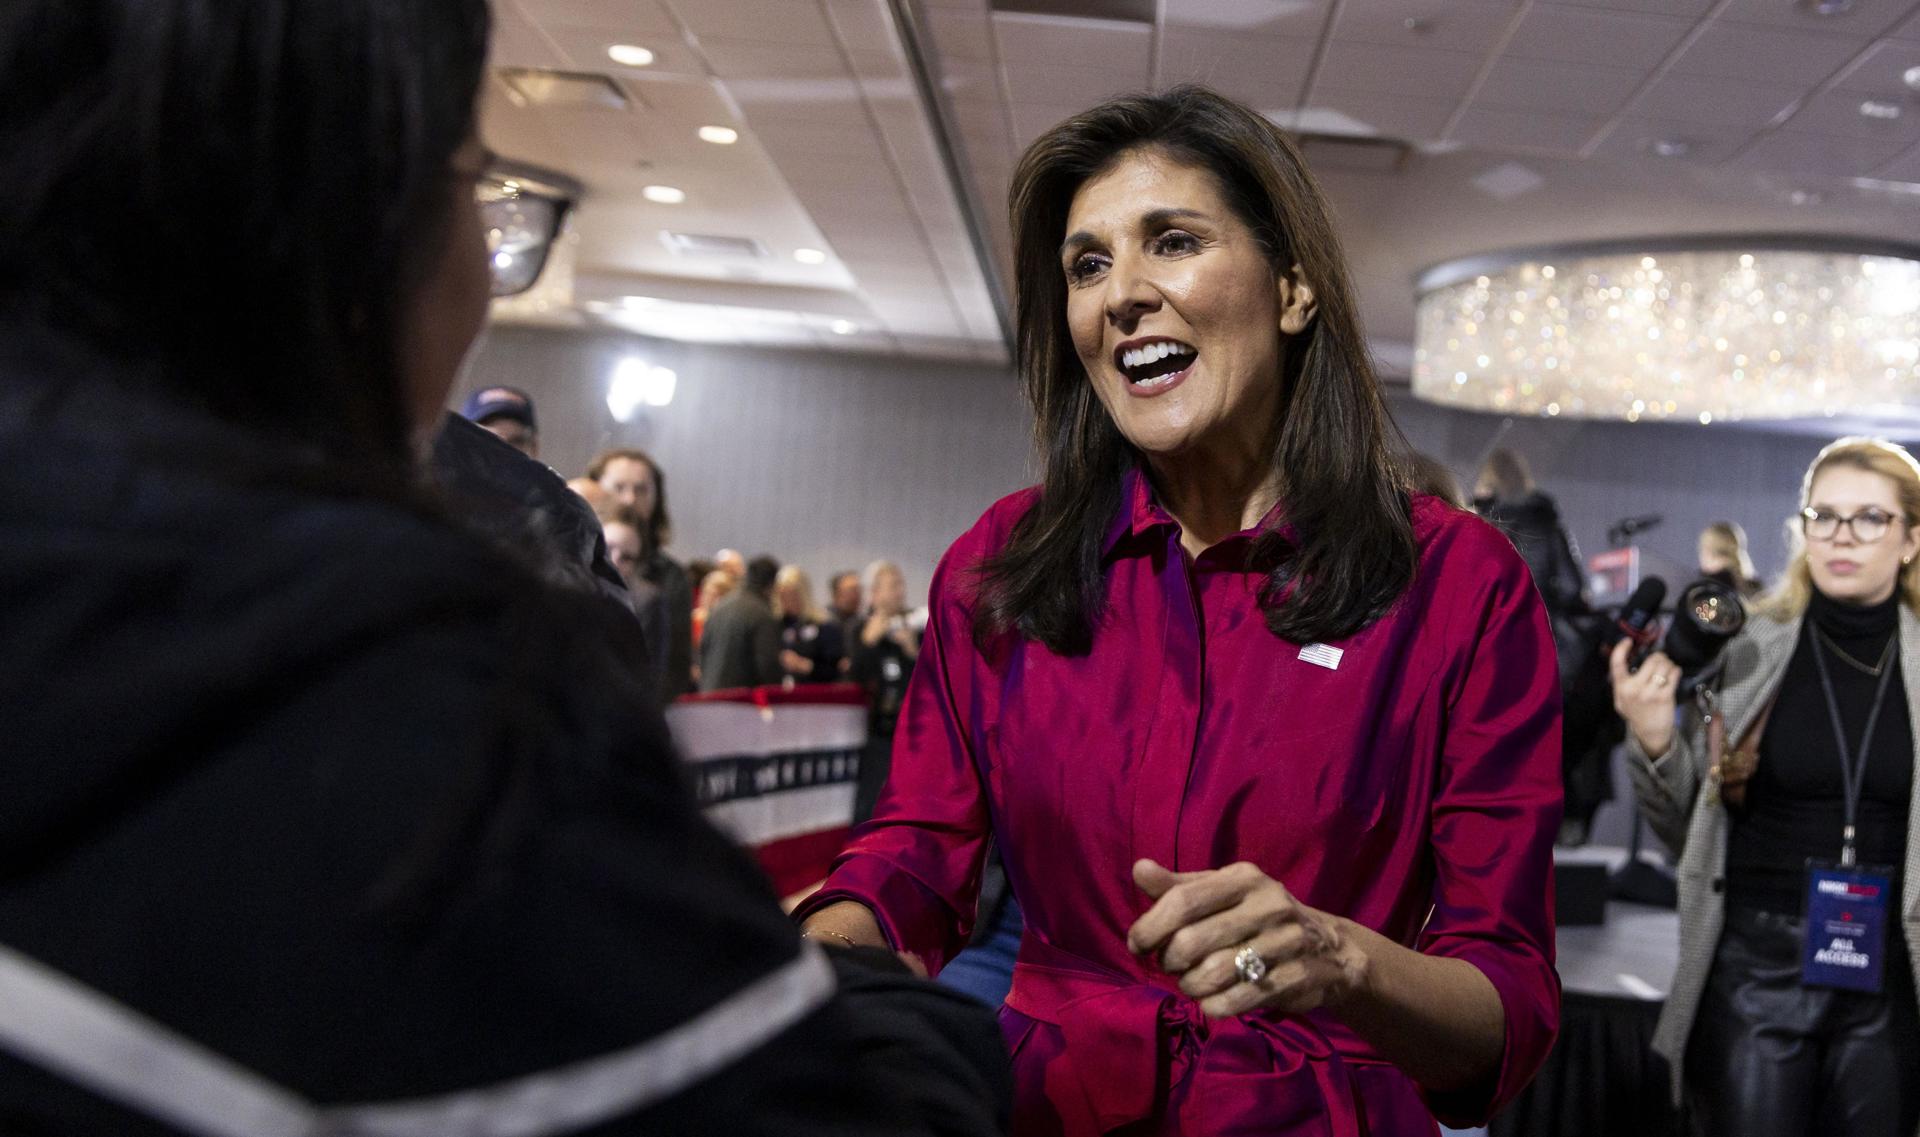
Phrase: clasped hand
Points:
(1200, 921)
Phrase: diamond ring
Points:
(1251, 967)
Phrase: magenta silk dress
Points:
(1408, 779)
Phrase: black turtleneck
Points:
(1794, 802)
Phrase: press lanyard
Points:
(1853, 772)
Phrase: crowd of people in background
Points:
(749, 622)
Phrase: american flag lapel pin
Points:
(1323, 655)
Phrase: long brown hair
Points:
(658, 529)
(1346, 552)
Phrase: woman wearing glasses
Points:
(1788, 798)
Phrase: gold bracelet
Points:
(809, 934)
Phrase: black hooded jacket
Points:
(308, 777)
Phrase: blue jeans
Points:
(985, 970)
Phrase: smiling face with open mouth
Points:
(1175, 309)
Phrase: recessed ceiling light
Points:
(1874, 108)
(665, 195)
(1829, 7)
(810, 256)
(630, 55)
(719, 135)
(1911, 77)
(1672, 147)
(844, 327)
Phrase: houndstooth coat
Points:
(1683, 805)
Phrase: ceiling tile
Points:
(1079, 87)
(1838, 113)
(1267, 71)
(1568, 35)
(1557, 88)
(1412, 119)
(1905, 168)
(1030, 121)
(586, 50)
(1687, 8)
(1909, 30)
(1528, 130)
(1403, 71)
(863, 25)
(517, 43)
(746, 59)
(1787, 56)
(630, 17)
(1882, 70)
(1860, 17)
(967, 35)
(1302, 19)
(1047, 41)
(1716, 102)
(1635, 139)
(1431, 25)
(1790, 152)
(762, 21)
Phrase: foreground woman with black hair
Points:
(320, 815)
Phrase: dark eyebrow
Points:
(1154, 219)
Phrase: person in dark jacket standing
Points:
(636, 482)
(741, 644)
(1506, 495)
(322, 814)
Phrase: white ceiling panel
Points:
(863, 25)
(1838, 112)
(1576, 35)
(1905, 168)
(1031, 120)
(1077, 87)
(1575, 89)
(1346, 113)
(1498, 129)
(749, 59)
(1637, 139)
(1910, 30)
(961, 34)
(1687, 8)
(1716, 102)
(1789, 152)
(1429, 25)
(1301, 19)
(586, 50)
(1881, 70)
(632, 17)
(800, 22)
(1265, 70)
(1858, 17)
(1777, 54)
(1047, 41)
(1404, 71)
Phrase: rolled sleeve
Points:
(1495, 815)
(917, 863)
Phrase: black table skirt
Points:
(1602, 1078)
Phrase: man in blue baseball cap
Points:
(508, 413)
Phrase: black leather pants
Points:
(1771, 1058)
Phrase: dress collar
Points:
(1140, 514)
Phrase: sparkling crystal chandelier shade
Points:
(1713, 330)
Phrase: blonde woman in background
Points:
(1809, 763)
(1723, 556)
(812, 649)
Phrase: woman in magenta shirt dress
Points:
(1270, 746)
